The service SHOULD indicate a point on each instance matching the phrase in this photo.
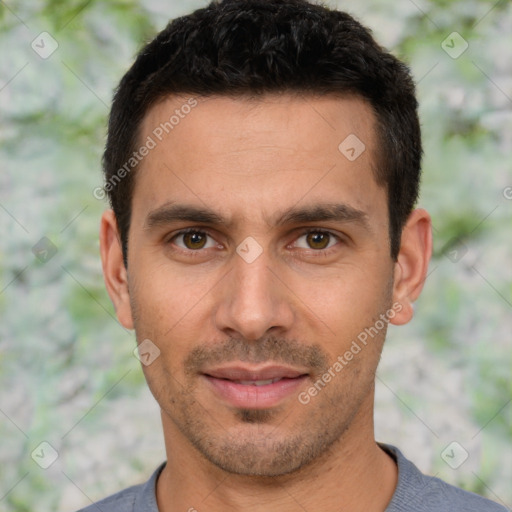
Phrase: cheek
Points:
(348, 310)
(351, 294)
(166, 294)
(170, 309)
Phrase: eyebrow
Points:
(172, 212)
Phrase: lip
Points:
(225, 384)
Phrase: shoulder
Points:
(121, 501)
(422, 493)
(132, 499)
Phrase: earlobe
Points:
(412, 263)
(114, 271)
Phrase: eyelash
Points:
(317, 252)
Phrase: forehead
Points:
(252, 120)
(258, 154)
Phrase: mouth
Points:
(254, 388)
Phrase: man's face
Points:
(249, 311)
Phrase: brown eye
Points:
(318, 239)
(193, 240)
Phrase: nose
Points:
(253, 300)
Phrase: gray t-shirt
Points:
(414, 492)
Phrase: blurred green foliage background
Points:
(68, 376)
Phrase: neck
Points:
(354, 473)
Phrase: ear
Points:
(114, 271)
(412, 263)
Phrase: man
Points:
(263, 163)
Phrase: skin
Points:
(301, 302)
